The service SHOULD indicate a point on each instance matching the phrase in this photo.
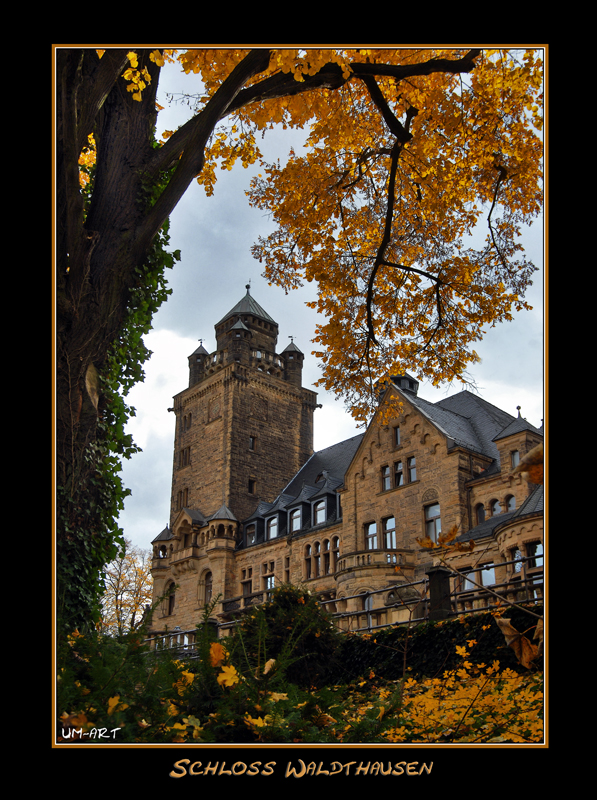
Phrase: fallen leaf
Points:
(524, 650)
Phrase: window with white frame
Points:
(389, 532)
(272, 528)
(385, 479)
(371, 536)
(433, 524)
(295, 519)
(319, 512)
(487, 575)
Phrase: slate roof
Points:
(471, 422)
(248, 305)
(517, 426)
(163, 536)
(533, 504)
(334, 460)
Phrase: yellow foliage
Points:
(228, 676)
(408, 151)
(217, 654)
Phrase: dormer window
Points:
(295, 520)
(319, 512)
(272, 528)
(251, 534)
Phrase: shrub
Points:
(293, 629)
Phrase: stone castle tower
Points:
(244, 425)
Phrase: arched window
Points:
(335, 552)
(208, 590)
(327, 566)
(316, 560)
(496, 508)
(171, 599)
(510, 502)
(251, 534)
(319, 512)
(295, 519)
(308, 561)
(272, 528)
(480, 513)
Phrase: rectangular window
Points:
(252, 486)
(185, 457)
(412, 469)
(467, 580)
(397, 436)
(371, 536)
(433, 525)
(487, 575)
(389, 533)
(535, 554)
(252, 442)
(398, 474)
(385, 479)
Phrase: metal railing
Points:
(525, 586)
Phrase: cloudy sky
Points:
(214, 236)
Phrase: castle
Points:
(253, 506)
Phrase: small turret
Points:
(293, 364)
(197, 364)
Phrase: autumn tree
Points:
(128, 590)
(409, 151)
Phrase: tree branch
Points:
(328, 77)
(197, 136)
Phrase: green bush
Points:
(113, 689)
(293, 629)
(429, 649)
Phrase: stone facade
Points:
(253, 506)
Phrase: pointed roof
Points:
(248, 305)
(223, 513)
(292, 348)
(200, 351)
(163, 536)
(516, 426)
